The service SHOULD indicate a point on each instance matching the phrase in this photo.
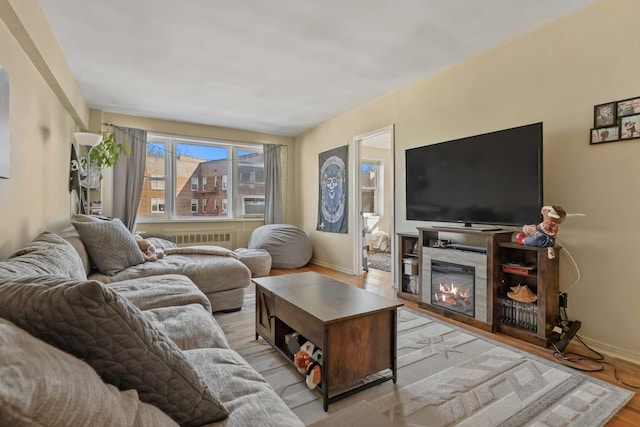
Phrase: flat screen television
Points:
(494, 179)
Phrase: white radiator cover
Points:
(223, 238)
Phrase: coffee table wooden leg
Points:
(394, 345)
(325, 370)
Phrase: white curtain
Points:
(273, 185)
(128, 175)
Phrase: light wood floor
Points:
(380, 282)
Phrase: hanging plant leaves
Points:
(107, 153)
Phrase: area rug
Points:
(379, 260)
(446, 376)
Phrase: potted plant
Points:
(107, 153)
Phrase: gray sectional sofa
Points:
(136, 351)
(110, 258)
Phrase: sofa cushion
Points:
(210, 273)
(201, 331)
(46, 254)
(95, 324)
(165, 290)
(42, 385)
(251, 401)
(110, 244)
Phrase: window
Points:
(250, 186)
(157, 182)
(154, 184)
(371, 172)
(178, 168)
(157, 205)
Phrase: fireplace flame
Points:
(451, 294)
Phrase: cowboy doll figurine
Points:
(544, 234)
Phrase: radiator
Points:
(225, 239)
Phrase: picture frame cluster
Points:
(616, 121)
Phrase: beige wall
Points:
(36, 197)
(555, 75)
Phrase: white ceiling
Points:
(280, 66)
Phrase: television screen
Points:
(494, 178)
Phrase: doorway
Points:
(374, 184)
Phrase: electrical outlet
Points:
(563, 300)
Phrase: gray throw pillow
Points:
(42, 385)
(110, 244)
(95, 324)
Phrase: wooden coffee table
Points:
(355, 329)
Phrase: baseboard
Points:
(331, 266)
(605, 350)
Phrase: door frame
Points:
(357, 222)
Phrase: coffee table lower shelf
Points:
(346, 390)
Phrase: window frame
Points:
(224, 184)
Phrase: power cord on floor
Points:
(570, 359)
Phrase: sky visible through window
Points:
(193, 150)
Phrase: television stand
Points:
(468, 227)
(499, 267)
(470, 248)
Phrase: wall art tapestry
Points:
(332, 203)
(4, 124)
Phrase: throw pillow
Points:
(85, 218)
(42, 385)
(95, 324)
(110, 245)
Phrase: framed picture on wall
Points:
(628, 107)
(606, 134)
(630, 127)
(604, 114)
